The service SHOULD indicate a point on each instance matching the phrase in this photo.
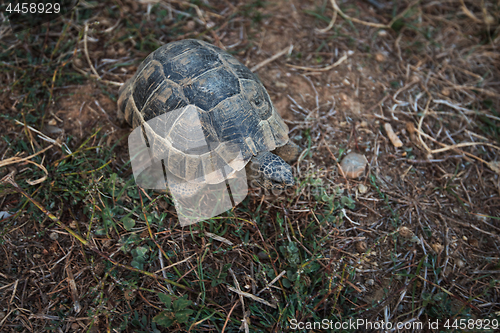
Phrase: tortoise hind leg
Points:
(289, 152)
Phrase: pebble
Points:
(190, 25)
(361, 247)
(54, 236)
(53, 129)
(380, 57)
(405, 232)
(489, 20)
(78, 62)
(362, 189)
(353, 165)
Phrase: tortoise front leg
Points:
(289, 152)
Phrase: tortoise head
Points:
(270, 171)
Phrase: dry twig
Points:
(286, 50)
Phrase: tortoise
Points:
(235, 112)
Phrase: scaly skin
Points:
(270, 171)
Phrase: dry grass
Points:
(416, 239)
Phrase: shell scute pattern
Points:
(151, 79)
(234, 126)
(257, 98)
(239, 69)
(186, 66)
(211, 88)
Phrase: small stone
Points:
(489, 20)
(53, 129)
(37, 256)
(353, 165)
(405, 232)
(104, 22)
(380, 57)
(370, 282)
(190, 25)
(382, 33)
(362, 189)
(445, 92)
(361, 247)
(54, 236)
(73, 224)
(415, 78)
(122, 51)
(279, 84)
(460, 263)
(52, 122)
(78, 62)
(75, 326)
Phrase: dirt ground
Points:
(414, 239)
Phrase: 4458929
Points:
(33, 8)
(472, 324)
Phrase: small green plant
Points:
(176, 311)
(140, 257)
(291, 253)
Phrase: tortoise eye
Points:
(257, 101)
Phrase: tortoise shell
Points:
(211, 101)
